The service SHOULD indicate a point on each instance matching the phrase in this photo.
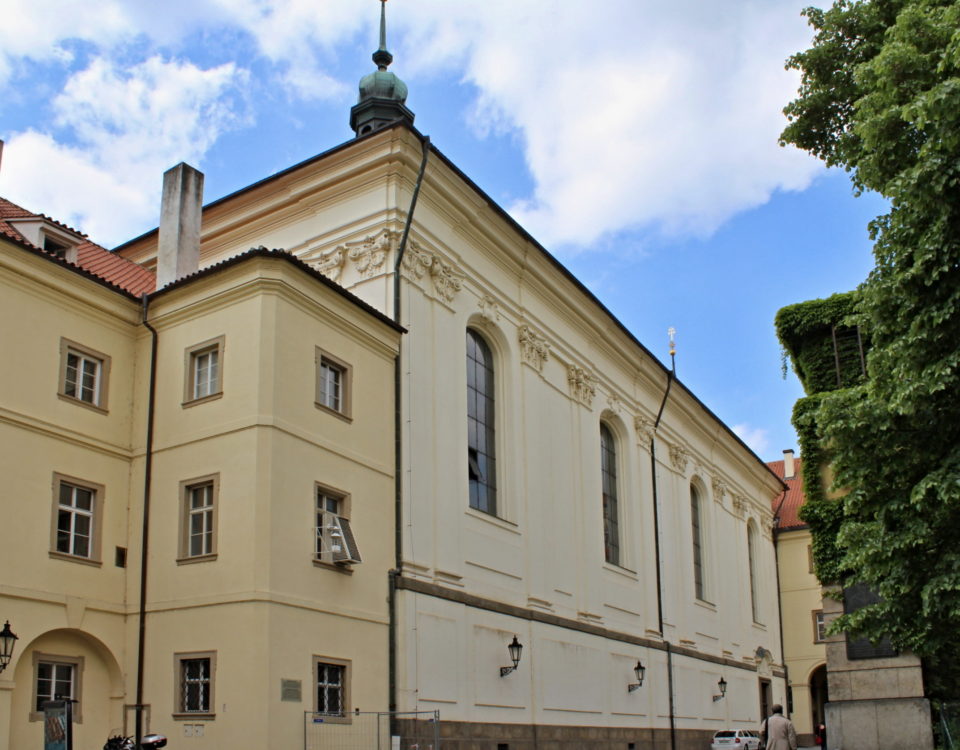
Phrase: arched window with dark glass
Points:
(754, 577)
(697, 529)
(611, 519)
(481, 436)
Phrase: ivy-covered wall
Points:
(805, 333)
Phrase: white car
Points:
(735, 739)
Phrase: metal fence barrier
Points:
(366, 730)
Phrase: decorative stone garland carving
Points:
(419, 262)
(330, 263)
(614, 403)
(583, 386)
(739, 504)
(534, 348)
(719, 489)
(489, 309)
(679, 457)
(767, 525)
(644, 428)
(369, 254)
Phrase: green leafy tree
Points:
(880, 97)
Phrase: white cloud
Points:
(631, 113)
(757, 438)
(129, 126)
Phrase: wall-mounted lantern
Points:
(7, 641)
(638, 671)
(515, 648)
(722, 684)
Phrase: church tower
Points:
(383, 95)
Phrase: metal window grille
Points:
(330, 689)
(75, 520)
(195, 685)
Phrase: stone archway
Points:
(819, 694)
(98, 682)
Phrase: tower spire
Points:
(383, 95)
(382, 58)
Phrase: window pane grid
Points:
(200, 520)
(481, 445)
(82, 378)
(331, 385)
(195, 685)
(611, 521)
(75, 520)
(330, 689)
(326, 504)
(697, 543)
(206, 369)
(54, 681)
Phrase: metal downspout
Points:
(776, 562)
(145, 532)
(656, 543)
(394, 574)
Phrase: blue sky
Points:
(637, 140)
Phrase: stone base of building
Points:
(880, 724)
(462, 735)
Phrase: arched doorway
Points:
(818, 694)
(66, 662)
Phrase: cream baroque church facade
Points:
(555, 485)
(526, 484)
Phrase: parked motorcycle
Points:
(149, 742)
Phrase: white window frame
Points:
(819, 627)
(335, 543)
(208, 487)
(202, 382)
(75, 664)
(72, 386)
(94, 516)
(334, 385)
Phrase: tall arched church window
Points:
(696, 525)
(754, 579)
(611, 518)
(481, 436)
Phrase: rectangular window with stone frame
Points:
(335, 541)
(84, 375)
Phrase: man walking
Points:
(778, 732)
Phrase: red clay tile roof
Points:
(794, 499)
(92, 258)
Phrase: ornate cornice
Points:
(447, 281)
(534, 348)
(583, 385)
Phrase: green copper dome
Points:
(382, 94)
(382, 84)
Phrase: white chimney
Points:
(178, 247)
(789, 470)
